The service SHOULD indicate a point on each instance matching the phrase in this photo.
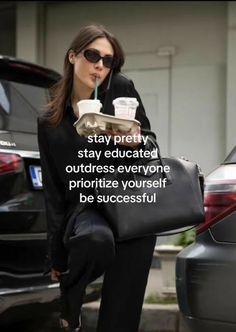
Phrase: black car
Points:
(206, 270)
(24, 89)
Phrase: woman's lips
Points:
(95, 76)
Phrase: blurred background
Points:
(180, 54)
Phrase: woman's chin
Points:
(91, 85)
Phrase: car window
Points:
(4, 100)
(20, 105)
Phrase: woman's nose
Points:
(99, 64)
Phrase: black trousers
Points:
(92, 252)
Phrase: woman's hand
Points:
(126, 137)
(55, 275)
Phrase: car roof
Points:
(231, 158)
(12, 69)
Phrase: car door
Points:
(22, 213)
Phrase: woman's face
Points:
(85, 72)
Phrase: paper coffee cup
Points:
(125, 107)
(88, 106)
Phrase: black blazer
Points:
(58, 146)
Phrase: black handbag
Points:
(178, 203)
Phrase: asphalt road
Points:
(32, 322)
(32, 326)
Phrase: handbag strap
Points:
(152, 144)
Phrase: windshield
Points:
(20, 105)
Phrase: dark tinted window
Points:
(8, 29)
(20, 105)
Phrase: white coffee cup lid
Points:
(89, 101)
(125, 101)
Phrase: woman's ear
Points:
(71, 57)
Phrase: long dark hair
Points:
(61, 91)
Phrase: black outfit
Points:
(91, 250)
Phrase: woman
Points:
(90, 249)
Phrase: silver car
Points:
(206, 270)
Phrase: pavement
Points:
(155, 282)
(154, 318)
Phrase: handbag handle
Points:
(154, 144)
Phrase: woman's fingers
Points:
(55, 275)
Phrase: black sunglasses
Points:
(94, 56)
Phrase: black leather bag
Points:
(178, 203)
